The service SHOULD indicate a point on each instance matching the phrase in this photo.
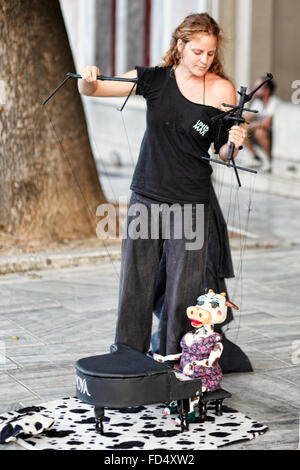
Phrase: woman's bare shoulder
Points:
(223, 89)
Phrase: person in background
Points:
(260, 125)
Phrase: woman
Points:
(182, 96)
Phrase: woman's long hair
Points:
(191, 25)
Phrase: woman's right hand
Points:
(89, 85)
(90, 73)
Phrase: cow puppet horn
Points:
(232, 305)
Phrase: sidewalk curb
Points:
(251, 244)
(24, 262)
(60, 259)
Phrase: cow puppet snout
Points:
(199, 314)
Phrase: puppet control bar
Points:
(236, 114)
(99, 77)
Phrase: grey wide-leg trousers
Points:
(185, 270)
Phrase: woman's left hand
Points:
(237, 135)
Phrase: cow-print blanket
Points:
(144, 428)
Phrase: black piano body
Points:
(127, 378)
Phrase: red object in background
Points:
(147, 25)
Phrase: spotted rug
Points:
(144, 428)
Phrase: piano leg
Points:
(99, 415)
(184, 411)
(202, 410)
(219, 407)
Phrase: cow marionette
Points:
(202, 347)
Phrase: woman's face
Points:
(198, 54)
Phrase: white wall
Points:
(121, 36)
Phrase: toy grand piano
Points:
(127, 378)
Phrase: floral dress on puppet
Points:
(202, 347)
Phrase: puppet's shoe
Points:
(191, 418)
(171, 408)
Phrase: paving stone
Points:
(62, 355)
(46, 380)
(12, 391)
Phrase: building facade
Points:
(262, 36)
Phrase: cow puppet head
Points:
(211, 309)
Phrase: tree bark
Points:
(48, 191)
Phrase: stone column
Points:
(215, 9)
(166, 16)
(227, 21)
(121, 37)
(243, 42)
(262, 38)
(285, 47)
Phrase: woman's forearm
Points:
(223, 152)
(237, 135)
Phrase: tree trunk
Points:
(48, 191)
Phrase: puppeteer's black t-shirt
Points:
(179, 132)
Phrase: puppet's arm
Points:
(171, 357)
(214, 356)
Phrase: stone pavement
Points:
(61, 315)
(52, 317)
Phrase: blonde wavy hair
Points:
(191, 25)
